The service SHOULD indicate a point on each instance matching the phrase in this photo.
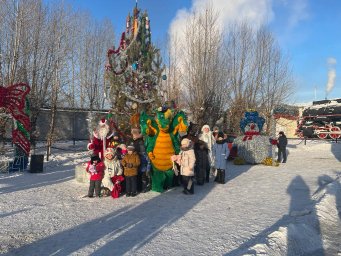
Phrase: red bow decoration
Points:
(249, 134)
(13, 99)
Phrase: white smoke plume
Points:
(331, 75)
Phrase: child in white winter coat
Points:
(186, 160)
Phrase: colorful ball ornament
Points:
(134, 105)
(135, 66)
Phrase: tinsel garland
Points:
(253, 151)
(269, 162)
(113, 126)
(125, 44)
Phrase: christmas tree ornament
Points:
(135, 66)
(134, 105)
(147, 23)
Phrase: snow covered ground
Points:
(293, 209)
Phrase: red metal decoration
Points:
(12, 99)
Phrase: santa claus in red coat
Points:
(99, 141)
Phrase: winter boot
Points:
(207, 177)
(145, 186)
(217, 177)
(200, 181)
(222, 177)
(191, 190)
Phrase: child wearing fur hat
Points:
(121, 151)
(220, 152)
(131, 163)
(215, 132)
(96, 169)
(186, 160)
(113, 172)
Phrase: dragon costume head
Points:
(163, 119)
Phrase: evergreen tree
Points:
(134, 70)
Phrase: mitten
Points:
(174, 158)
(175, 169)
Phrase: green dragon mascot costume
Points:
(162, 141)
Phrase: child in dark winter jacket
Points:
(131, 163)
(282, 144)
(96, 170)
(202, 164)
(143, 179)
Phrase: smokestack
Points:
(331, 75)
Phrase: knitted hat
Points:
(135, 131)
(95, 158)
(131, 148)
(110, 151)
(220, 135)
(185, 142)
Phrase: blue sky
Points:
(308, 31)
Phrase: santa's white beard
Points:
(103, 131)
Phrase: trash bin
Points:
(37, 163)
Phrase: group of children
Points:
(128, 168)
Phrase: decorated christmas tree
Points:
(134, 70)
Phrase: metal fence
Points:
(71, 124)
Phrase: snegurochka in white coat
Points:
(207, 136)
